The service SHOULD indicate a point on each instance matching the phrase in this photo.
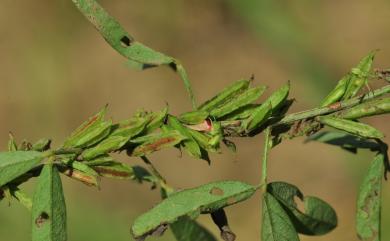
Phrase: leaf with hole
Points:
(13, 164)
(209, 198)
(368, 214)
(49, 210)
(318, 217)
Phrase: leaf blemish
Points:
(216, 191)
(41, 219)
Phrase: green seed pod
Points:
(359, 76)
(42, 145)
(110, 144)
(190, 144)
(155, 142)
(277, 98)
(242, 113)
(239, 101)
(93, 136)
(371, 108)
(352, 127)
(130, 128)
(225, 95)
(90, 132)
(83, 167)
(156, 120)
(194, 117)
(337, 93)
(259, 116)
(115, 170)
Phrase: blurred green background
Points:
(56, 71)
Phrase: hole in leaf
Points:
(41, 219)
(216, 191)
(299, 202)
(125, 41)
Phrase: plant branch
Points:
(267, 146)
(334, 107)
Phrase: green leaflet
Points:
(209, 198)
(115, 169)
(155, 142)
(110, 144)
(13, 164)
(368, 214)
(185, 229)
(90, 132)
(137, 53)
(337, 93)
(374, 107)
(276, 224)
(346, 141)
(194, 117)
(190, 144)
(226, 95)
(352, 127)
(359, 76)
(319, 217)
(49, 210)
(237, 102)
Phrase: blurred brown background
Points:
(56, 70)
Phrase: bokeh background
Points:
(56, 70)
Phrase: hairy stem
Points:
(334, 107)
(267, 146)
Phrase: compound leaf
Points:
(319, 217)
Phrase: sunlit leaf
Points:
(49, 210)
(209, 198)
(16, 163)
